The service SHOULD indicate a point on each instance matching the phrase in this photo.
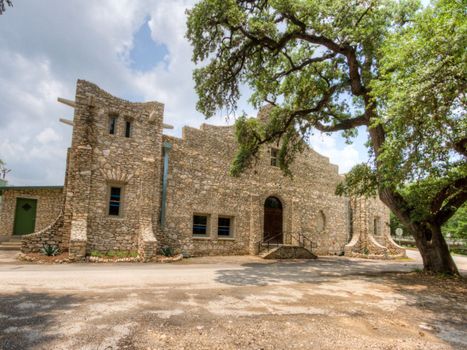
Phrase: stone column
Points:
(147, 242)
(80, 201)
(255, 224)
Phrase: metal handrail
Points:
(268, 241)
(301, 238)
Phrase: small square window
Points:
(115, 201)
(128, 128)
(200, 225)
(224, 227)
(274, 157)
(112, 124)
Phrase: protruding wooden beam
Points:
(167, 126)
(67, 102)
(66, 121)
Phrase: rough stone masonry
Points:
(129, 187)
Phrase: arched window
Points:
(321, 221)
(273, 202)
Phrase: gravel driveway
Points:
(231, 303)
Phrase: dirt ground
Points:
(231, 303)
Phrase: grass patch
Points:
(118, 254)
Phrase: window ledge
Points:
(226, 238)
(202, 238)
(110, 217)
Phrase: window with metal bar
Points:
(274, 157)
(112, 124)
(128, 128)
(200, 225)
(115, 201)
(224, 227)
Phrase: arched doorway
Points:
(273, 221)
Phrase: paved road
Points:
(206, 272)
(231, 303)
(199, 272)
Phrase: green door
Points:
(25, 216)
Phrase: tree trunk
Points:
(434, 250)
(428, 237)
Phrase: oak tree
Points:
(391, 67)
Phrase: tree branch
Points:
(343, 125)
(450, 208)
(446, 192)
(303, 64)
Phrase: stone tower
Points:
(116, 153)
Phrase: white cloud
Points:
(48, 135)
(45, 46)
(345, 156)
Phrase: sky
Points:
(135, 50)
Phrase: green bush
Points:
(167, 250)
(114, 254)
(50, 250)
(96, 253)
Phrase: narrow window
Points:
(112, 124)
(224, 227)
(127, 128)
(274, 157)
(115, 201)
(200, 225)
(321, 221)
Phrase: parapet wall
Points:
(199, 183)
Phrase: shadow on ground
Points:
(306, 271)
(440, 302)
(25, 317)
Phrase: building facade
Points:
(129, 187)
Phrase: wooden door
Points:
(273, 221)
(25, 216)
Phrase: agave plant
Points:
(50, 250)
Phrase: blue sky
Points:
(133, 49)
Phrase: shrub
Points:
(50, 250)
(167, 250)
(96, 253)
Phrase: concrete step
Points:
(10, 247)
(12, 242)
(288, 252)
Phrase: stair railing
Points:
(268, 241)
(301, 239)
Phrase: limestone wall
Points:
(99, 159)
(371, 234)
(199, 182)
(49, 204)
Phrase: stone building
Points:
(130, 187)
